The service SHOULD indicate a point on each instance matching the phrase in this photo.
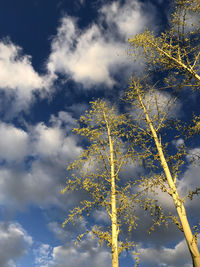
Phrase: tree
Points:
(174, 54)
(175, 51)
(97, 173)
(154, 122)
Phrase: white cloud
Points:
(59, 231)
(42, 255)
(48, 140)
(86, 56)
(16, 70)
(178, 142)
(129, 18)
(52, 142)
(93, 56)
(164, 200)
(190, 178)
(40, 184)
(14, 243)
(190, 181)
(163, 256)
(194, 155)
(64, 119)
(18, 79)
(101, 216)
(159, 103)
(48, 150)
(13, 143)
(87, 254)
(96, 54)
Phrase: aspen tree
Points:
(174, 54)
(136, 95)
(176, 51)
(97, 173)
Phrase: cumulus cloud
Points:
(190, 180)
(47, 140)
(17, 71)
(87, 59)
(92, 56)
(14, 243)
(70, 232)
(52, 142)
(64, 119)
(128, 18)
(101, 216)
(96, 54)
(194, 155)
(43, 255)
(47, 149)
(87, 254)
(164, 256)
(13, 143)
(160, 103)
(59, 232)
(18, 79)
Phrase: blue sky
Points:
(55, 57)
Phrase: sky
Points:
(55, 57)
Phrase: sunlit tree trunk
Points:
(115, 254)
(190, 239)
(96, 172)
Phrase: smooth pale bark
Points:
(192, 245)
(115, 232)
(196, 261)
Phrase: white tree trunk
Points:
(115, 232)
(192, 245)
